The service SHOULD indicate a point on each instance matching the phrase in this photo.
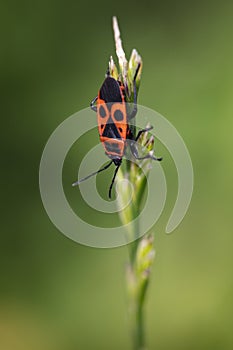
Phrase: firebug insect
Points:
(113, 124)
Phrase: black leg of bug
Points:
(134, 150)
(92, 104)
(96, 172)
(142, 132)
(113, 179)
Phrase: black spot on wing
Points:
(102, 112)
(118, 115)
(110, 91)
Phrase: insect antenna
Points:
(113, 179)
(96, 172)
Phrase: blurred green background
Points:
(57, 294)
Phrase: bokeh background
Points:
(55, 293)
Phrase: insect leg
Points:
(96, 172)
(148, 156)
(92, 104)
(142, 131)
(113, 179)
(134, 151)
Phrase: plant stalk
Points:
(141, 251)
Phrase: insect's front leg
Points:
(92, 104)
(142, 132)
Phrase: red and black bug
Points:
(113, 124)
